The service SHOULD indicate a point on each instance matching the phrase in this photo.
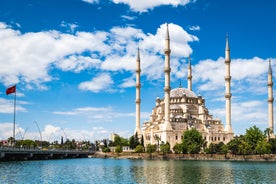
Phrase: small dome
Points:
(179, 92)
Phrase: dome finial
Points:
(180, 85)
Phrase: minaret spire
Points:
(167, 87)
(189, 74)
(138, 99)
(228, 87)
(270, 101)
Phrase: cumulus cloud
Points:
(246, 73)
(28, 58)
(145, 5)
(97, 84)
(7, 106)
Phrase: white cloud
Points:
(7, 106)
(97, 84)
(70, 26)
(246, 73)
(145, 5)
(91, 1)
(130, 82)
(37, 53)
(194, 28)
(128, 17)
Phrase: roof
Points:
(179, 92)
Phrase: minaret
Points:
(138, 99)
(167, 87)
(270, 101)
(227, 87)
(189, 74)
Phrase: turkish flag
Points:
(11, 90)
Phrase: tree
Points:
(233, 145)
(106, 149)
(192, 141)
(139, 149)
(263, 147)
(118, 149)
(268, 132)
(272, 143)
(244, 147)
(142, 141)
(252, 136)
(151, 148)
(165, 148)
(177, 148)
(134, 141)
(157, 138)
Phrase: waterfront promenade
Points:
(7, 154)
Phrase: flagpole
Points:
(14, 108)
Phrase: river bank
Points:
(219, 157)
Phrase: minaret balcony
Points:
(167, 69)
(227, 61)
(167, 89)
(227, 78)
(138, 100)
(167, 51)
(138, 70)
(228, 95)
(138, 85)
(270, 84)
(271, 99)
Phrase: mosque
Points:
(181, 109)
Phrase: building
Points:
(181, 109)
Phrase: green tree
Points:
(211, 149)
(268, 132)
(252, 136)
(263, 147)
(142, 141)
(233, 145)
(158, 139)
(244, 147)
(165, 148)
(151, 148)
(106, 149)
(134, 141)
(118, 149)
(192, 141)
(272, 143)
(139, 149)
(177, 148)
(224, 149)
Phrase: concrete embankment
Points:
(221, 157)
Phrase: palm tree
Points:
(157, 138)
(268, 132)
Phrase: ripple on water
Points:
(108, 171)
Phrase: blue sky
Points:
(74, 62)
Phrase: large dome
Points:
(179, 92)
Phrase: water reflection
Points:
(102, 171)
(173, 171)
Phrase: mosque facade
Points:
(181, 109)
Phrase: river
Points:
(109, 171)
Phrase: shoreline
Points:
(200, 157)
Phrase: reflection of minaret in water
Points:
(189, 74)
(138, 99)
(270, 101)
(167, 87)
(227, 87)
